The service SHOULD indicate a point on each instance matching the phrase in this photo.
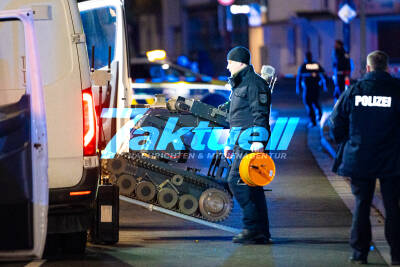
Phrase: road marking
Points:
(35, 263)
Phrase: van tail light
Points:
(80, 193)
(89, 123)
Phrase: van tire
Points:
(52, 246)
(75, 243)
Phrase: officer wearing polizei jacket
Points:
(311, 79)
(249, 107)
(366, 123)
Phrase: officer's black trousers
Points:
(340, 86)
(251, 199)
(363, 189)
(311, 102)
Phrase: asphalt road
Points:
(309, 222)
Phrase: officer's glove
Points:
(228, 152)
(257, 147)
(224, 107)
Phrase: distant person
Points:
(341, 68)
(249, 107)
(310, 78)
(366, 124)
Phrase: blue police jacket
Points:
(250, 101)
(366, 123)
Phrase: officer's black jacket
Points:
(310, 77)
(366, 123)
(341, 60)
(250, 100)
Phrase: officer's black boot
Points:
(251, 237)
(358, 260)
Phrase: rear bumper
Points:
(61, 202)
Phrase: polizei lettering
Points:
(373, 101)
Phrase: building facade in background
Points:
(204, 30)
(295, 27)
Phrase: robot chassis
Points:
(167, 181)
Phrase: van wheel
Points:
(75, 243)
(53, 245)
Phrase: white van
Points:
(73, 171)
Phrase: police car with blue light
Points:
(154, 74)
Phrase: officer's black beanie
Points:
(239, 54)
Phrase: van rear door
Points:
(62, 78)
(104, 26)
(23, 140)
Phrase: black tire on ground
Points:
(74, 243)
(52, 246)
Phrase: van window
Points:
(12, 61)
(100, 26)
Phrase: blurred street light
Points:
(156, 55)
(240, 9)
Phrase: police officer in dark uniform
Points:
(341, 68)
(311, 78)
(366, 123)
(249, 107)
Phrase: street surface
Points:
(309, 222)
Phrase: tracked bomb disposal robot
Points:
(188, 180)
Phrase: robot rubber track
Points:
(198, 196)
(174, 183)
